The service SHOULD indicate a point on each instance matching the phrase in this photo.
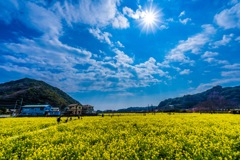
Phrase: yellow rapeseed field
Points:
(128, 136)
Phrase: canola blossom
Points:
(129, 136)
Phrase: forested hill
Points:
(216, 98)
(33, 92)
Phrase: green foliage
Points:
(34, 92)
(221, 98)
(3, 110)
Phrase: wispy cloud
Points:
(101, 36)
(204, 86)
(214, 61)
(119, 44)
(232, 66)
(33, 16)
(122, 58)
(120, 22)
(185, 72)
(224, 41)
(192, 44)
(182, 14)
(237, 39)
(183, 20)
(209, 54)
(230, 73)
(139, 13)
(94, 13)
(210, 57)
(148, 69)
(229, 18)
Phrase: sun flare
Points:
(150, 19)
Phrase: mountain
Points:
(137, 109)
(130, 109)
(216, 98)
(32, 92)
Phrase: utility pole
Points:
(21, 102)
(16, 108)
(20, 105)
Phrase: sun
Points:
(150, 19)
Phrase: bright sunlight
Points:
(150, 19)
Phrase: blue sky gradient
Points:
(120, 53)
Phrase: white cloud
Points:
(237, 39)
(162, 27)
(232, 66)
(101, 36)
(229, 18)
(185, 21)
(119, 44)
(120, 22)
(209, 54)
(230, 73)
(185, 72)
(122, 58)
(47, 59)
(60, 65)
(42, 19)
(232, 2)
(224, 41)
(215, 61)
(203, 87)
(33, 16)
(170, 20)
(182, 14)
(192, 44)
(139, 13)
(148, 69)
(94, 13)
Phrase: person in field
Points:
(59, 119)
(66, 120)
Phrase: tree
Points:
(3, 110)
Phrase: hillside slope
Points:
(216, 98)
(33, 92)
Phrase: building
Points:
(87, 109)
(35, 110)
(235, 111)
(73, 109)
(55, 111)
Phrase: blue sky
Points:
(121, 53)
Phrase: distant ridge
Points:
(216, 98)
(33, 92)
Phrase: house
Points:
(35, 110)
(87, 109)
(73, 109)
(235, 111)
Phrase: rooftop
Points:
(36, 106)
